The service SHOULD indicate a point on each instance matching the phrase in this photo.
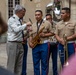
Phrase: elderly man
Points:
(14, 40)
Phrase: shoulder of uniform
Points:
(73, 21)
(60, 22)
(11, 19)
(46, 22)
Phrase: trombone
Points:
(65, 51)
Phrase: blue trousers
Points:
(53, 51)
(24, 65)
(41, 58)
(71, 50)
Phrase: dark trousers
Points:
(24, 65)
(71, 50)
(41, 57)
(53, 52)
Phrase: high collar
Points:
(40, 21)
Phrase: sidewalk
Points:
(3, 60)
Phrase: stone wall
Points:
(31, 6)
(73, 7)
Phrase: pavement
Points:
(3, 60)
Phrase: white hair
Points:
(18, 8)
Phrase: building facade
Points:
(72, 5)
(7, 6)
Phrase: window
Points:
(11, 5)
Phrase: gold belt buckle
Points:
(40, 42)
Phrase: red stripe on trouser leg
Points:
(74, 46)
(48, 57)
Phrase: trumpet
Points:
(65, 51)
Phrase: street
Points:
(3, 60)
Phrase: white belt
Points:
(53, 42)
(45, 41)
(70, 41)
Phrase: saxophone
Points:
(65, 51)
(36, 40)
